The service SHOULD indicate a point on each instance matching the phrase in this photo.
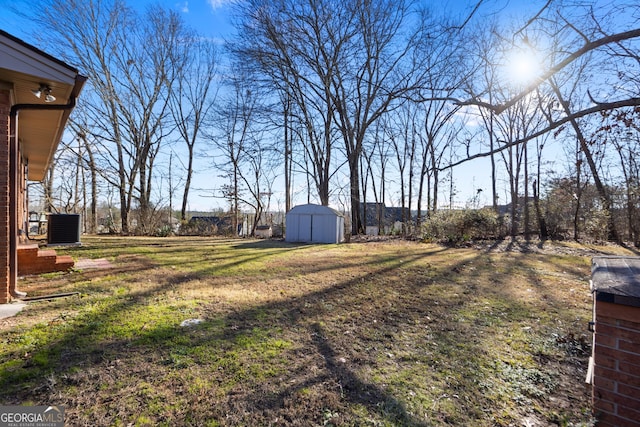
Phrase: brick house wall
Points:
(616, 342)
(5, 109)
(616, 382)
(24, 69)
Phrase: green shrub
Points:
(164, 231)
(597, 225)
(454, 226)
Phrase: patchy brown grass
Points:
(377, 333)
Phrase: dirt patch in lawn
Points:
(380, 333)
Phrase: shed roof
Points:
(312, 209)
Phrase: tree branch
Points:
(602, 106)
(587, 47)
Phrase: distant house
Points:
(380, 219)
(314, 224)
(37, 94)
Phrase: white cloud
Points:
(216, 4)
(184, 7)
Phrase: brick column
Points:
(5, 108)
(616, 380)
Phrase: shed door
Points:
(305, 228)
(324, 229)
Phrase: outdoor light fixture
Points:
(46, 90)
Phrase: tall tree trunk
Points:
(287, 155)
(93, 217)
(421, 181)
(79, 178)
(143, 202)
(354, 180)
(494, 186)
(436, 178)
(125, 195)
(48, 189)
(406, 215)
(584, 147)
(364, 178)
(542, 223)
(513, 187)
(236, 200)
(578, 195)
(527, 226)
(187, 184)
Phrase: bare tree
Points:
(585, 37)
(86, 157)
(402, 133)
(382, 67)
(438, 129)
(192, 99)
(235, 122)
(592, 39)
(258, 179)
(131, 62)
(484, 50)
(375, 159)
(297, 49)
(287, 151)
(620, 130)
(342, 65)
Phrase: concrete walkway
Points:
(92, 264)
(11, 309)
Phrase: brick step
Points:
(28, 250)
(46, 254)
(64, 262)
(33, 260)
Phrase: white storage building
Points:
(314, 224)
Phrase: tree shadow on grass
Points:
(325, 387)
(358, 391)
(166, 349)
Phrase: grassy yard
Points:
(363, 334)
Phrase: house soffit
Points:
(39, 131)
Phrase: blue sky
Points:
(209, 17)
(212, 18)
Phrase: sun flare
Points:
(523, 68)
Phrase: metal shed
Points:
(314, 224)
